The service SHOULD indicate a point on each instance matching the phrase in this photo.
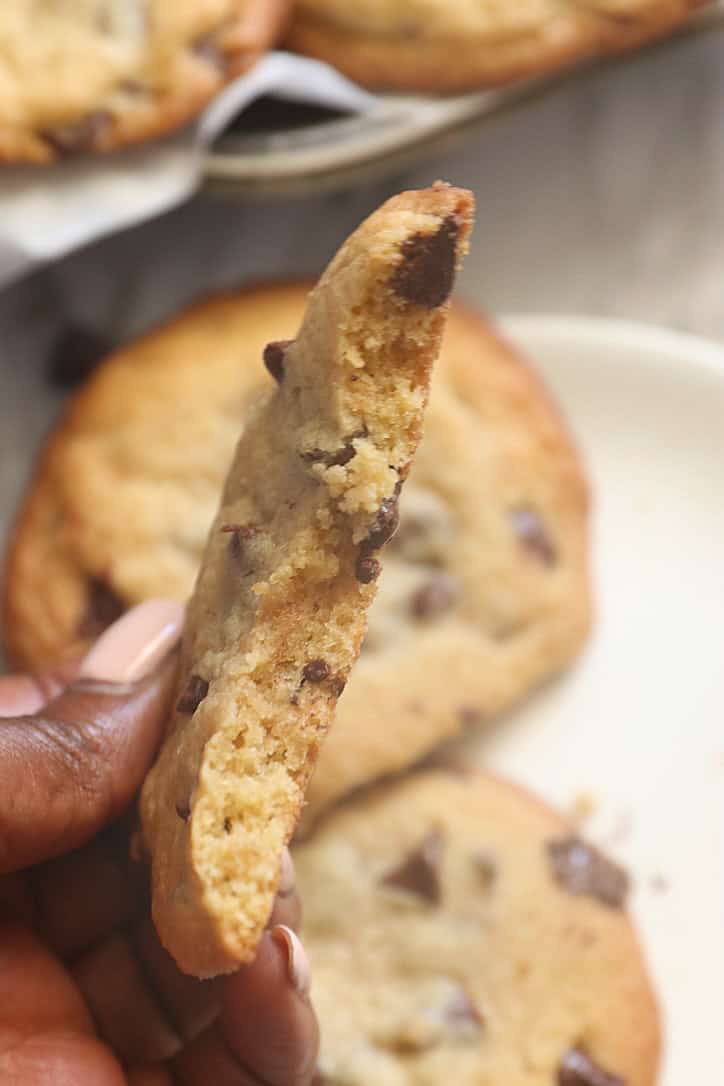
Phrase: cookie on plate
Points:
(485, 592)
(460, 932)
(408, 44)
(95, 75)
(278, 612)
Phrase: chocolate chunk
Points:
(581, 869)
(195, 692)
(316, 671)
(385, 523)
(426, 273)
(434, 597)
(78, 136)
(74, 355)
(486, 867)
(103, 607)
(183, 811)
(461, 1014)
(577, 1069)
(531, 533)
(274, 354)
(339, 458)
(419, 873)
(367, 569)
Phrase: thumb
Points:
(73, 766)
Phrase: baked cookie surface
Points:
(459, 931)
(278, 611)
(95, 75)
(410, 44)
(485, 591)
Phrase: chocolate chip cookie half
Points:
(485, 592)
(460, 931)
(278, 613)
(94, 75)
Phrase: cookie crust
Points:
(409, 44)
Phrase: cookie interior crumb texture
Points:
(408, 44)
(94, 75)
(445, 948)
(485, 591)
(278, 612)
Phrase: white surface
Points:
(639, 723)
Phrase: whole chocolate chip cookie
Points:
(485, 592)
(446, 947)
(410, 44)
(278, 611)
(94, 75)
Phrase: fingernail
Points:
(297, 960)
(133, 646)
(287, 876)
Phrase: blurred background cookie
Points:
(460, 932)
(485, 592)
(430, 45)
(95, 75)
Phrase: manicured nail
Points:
(287, 877)
(134, 646)
(297, 960)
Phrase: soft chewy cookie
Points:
(485, 591)
(410, 44)
(94, 75)
(279, 609)
(460, 932)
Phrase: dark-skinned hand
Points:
(88, 997)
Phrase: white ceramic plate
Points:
(638, 724)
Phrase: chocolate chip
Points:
(316, 671)
(470, 715)
(419, 873)
(434, 597)
(531, 533)
(103, 607)
(577, 1069)
(183, 811)
(74, 355)
(486, 867)
(581, 869)
(367, 569)
(426, 273)
(339, 458)
(195, 692)
(227, 825)
(274, 354)
(78, 136)
(384, 526)
(461, 1014)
